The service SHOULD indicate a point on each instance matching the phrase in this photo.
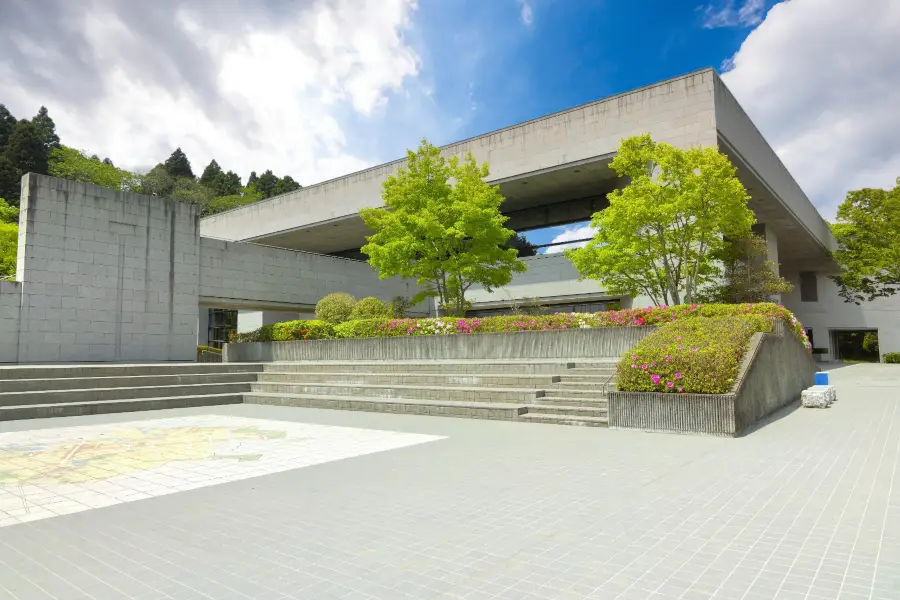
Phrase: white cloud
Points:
(821, 80)
(526, 12)
(581, 232)
(273, 92)
(730, 14)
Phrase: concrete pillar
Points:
(203, 326)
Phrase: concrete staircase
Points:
(535, 391)
(545, 391)
(32, 392)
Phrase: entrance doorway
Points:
(855, 345)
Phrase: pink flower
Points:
(678, 338)
(680, 347)
(668, 359)
(652, 364)
(634, 356)
(644, 366)
(677, 375)
(680, 389)
(671, 384)
(694, 349)
(633, 366)
(655, 379)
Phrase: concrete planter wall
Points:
(775, 369)
(571, 343)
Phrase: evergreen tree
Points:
(266, 184)
(46, 128)
(7, 124)
(252, 179)
(210, 173)
(286, 184)
(178, 165)
(10, 181)
(25, 149)
(107, 161)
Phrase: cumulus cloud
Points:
(733, 14)
(821, 80)
(254, 84)
(578, 232)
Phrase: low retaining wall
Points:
(775, 369)
(600, 342)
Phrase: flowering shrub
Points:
(302, 330)
(263, 334)
(700, 356)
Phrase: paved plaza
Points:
(253, 502)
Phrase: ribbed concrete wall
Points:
(775, 369)
(573, 343)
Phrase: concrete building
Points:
(113, 276)
(555, 171)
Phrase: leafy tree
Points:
(661, 234)
(226, 184)
(25, 149)
(522, 246)
(286, 184)
(10, 180)
(9, 238)
(70, 163)
(448, 236)
(108, 161)
(246, 196)
(252, 179)
(211, 171)
(867, 230)
(158, 182)
(266, 184)
(7, 124)
(747, 274)
(191, 191)
(178, 165)
(46, 129)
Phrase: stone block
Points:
(818, 396)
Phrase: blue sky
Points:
(319, 89)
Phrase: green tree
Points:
(9, 238)
(70, 163)
(158, 182)
(25, 149)
(246, 195)
(285, 184)
(868, 254)
(210, 173)
(46, 129)
(226, 184)
(252, 179)
(661, 234)
(523, 247)
(178, 165)
(447, 236)
(266, 184)
(747, 275)
(7, 124)
(10, 180)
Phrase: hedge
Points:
(335, 308)
(370, 308)
(263, 334)
(892, 357)
(209, 349)
(302, 330)
(700, 356)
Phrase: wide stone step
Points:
(74, 409)
(469, 410)
(565, 420)
(515, 380)
(414, 392)
(572, 411)
(122, 370)
(573, 401)
(80, 383)
(9, 399)
(567, 377)
(596, 392)
(550, 367)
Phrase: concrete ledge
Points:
(774, 371)
(600, 342)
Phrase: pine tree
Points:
(46, 128)
(10, 181)
(266, 184)
(286, 184)
(210, 173)
(252, 179)
(7, 124)
(25, 149)
(178, 165)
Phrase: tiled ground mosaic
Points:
(45, 473)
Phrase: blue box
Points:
(822, 378)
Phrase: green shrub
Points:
(263, 334)
(209, 349)
(399, 307)
(335, 308)
(892, 357)
(302, 330)
(700, 356)
(370, 308)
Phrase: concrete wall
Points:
(105, 275)
(251, 320)
(239, 274)
(831, 312)
(112, 276)
(680, 111)
(577, 343)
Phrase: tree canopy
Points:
(867, 232)
(661, 234)
(70, 163)
(747, 274)
(9, 238)
(441, 225)
(178, 165)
